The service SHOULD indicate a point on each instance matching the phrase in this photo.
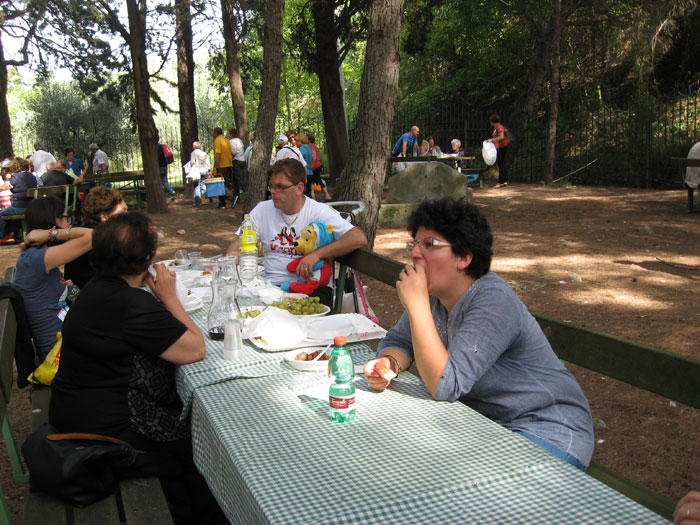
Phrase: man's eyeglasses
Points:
(67, 217)
(278, 188)
(426, 244)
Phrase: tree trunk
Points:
(233, 68)
(537, 71)
(5, 127)
(363, 176)
(554, 100)
(327, 65)
(144, 113)
(267, 105)
(185, 83)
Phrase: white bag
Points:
(488, 151)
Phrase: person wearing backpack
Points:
(501, 140)
(164, 156)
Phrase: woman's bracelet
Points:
(53, 234)
(68, 233)
(394, 361)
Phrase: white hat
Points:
(282, 138)
(5, 163)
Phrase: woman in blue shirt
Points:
(472, 339)
(50, 243)
(74, 165)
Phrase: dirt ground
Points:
(617, 260)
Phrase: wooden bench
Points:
(69, 193)
(684, 163)
(138, 501)
(670, 375)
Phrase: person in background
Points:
(317, 167)
(51, 242)
(20, 181)
(100, 204)
(286, 151)
(688, 510)
(692, 174)
(74, 166)
(501, 141)
(292, 135)
(56, 175)
(40, 157)
(8, 155)
(407, 142)
(223, 164)
(117, 373)
(473, 340)
(248, 153)
(100, 162)
(199, 170)
(432, 148)
(457, 151)
(163, 167)
(5, 194)
(279, 222)
(237, 150)
(306, 152)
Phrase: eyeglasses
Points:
(67, 217)
(426, 244)
(278, 188)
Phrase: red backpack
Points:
(169, 157)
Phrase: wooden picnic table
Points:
(263, 441)
(134, 179)
(431, 158)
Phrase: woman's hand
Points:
(36, 238)
(375, 381)
(413, 286)
(163, 286)
(688, 510)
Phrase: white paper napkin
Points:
(276, 326)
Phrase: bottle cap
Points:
(339, 340)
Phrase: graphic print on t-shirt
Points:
(283, 242)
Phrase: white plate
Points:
(169, 264)
(194, 304)
(295, 296)
(306, 366)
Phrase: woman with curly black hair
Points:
(472, 339)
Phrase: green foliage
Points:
(59, 116)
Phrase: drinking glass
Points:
(195, 260)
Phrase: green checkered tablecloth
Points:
(271, 455)
(214, 368)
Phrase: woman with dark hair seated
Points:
(50, 243)
(120, 345)
(473, 340)
(100, 204)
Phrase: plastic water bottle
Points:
(341, 394)
(249, 250)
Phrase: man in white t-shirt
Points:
(279, 222)
(39, 158)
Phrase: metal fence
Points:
(631, 147)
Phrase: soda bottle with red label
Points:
(341, 394)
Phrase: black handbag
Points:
(77, 468)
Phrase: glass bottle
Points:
(223, 307)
